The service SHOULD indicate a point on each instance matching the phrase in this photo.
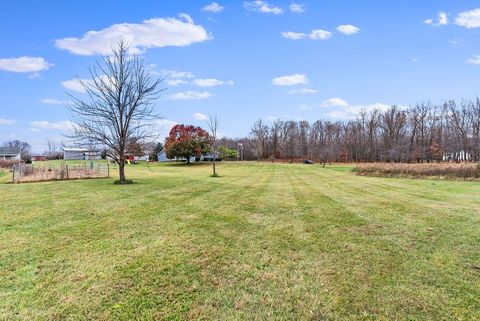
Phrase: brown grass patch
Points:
(425, 170)
(8, 163)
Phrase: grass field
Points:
(263, 242)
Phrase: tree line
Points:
(425, 132)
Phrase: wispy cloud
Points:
(189, 95)
(213, 7)
(53, 101)
(210, 82)
(350, 112)
(75, 85)
(200, 116)
(296, 8)
(151, 33)
(303, 91)
(24, 64)
(293, 35)
(6, 122)
(47, 125)
(334, 102)
(175, 82)
(262, 6)
(474, 60)
(176, 74)
(290, 80)
(316, 34)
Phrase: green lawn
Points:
(263, 242)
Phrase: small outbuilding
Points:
(39, 157)
(10, 153)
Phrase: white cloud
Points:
(348, 29)
(24, 64)
(176, 74)
(151, 33)
(164, 127)
(75, 85)
(43, 124)
(213, 7)
(6, 122)
(174, 78)
(200, 116)
(350, 112)
(306, 107)
(175, 82)
(456, 41)
(320, 34)
(262, 6)
(428, 21)
(303, 91)
(415, 60)
(295, 79)
(334, 102)
(294, 35)
(474, 60)
(53, 101)
(316, 34)
(210, 82)
(469, 19)
(441, 19)
(189, 95)
(296, 8)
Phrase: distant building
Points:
(10, 153)
(39, 157)
(73, 153)
(162, 157)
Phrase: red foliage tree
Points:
(186, 141)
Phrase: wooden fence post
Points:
(66, 167)
(13, 174)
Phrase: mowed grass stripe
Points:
(263, 242)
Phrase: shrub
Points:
(425, 170)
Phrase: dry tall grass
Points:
(8, 163)
(425, 170)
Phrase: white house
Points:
(162, 157)
(10, 153)
(73, 153)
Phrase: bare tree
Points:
(119, 109)
(213, 123)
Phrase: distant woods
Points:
(423, 133)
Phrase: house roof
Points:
(76, 149)
(9, 151)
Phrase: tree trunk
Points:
(213, 163)
(121, 171)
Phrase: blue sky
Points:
(241, 60)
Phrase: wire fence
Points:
(49, 171)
